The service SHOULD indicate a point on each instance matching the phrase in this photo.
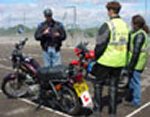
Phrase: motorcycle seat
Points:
(53, 73)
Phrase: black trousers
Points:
(106, 75)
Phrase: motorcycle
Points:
(56, 90)
(86, 60)
(65, 87)
(23, 80)
(32, 80)
(79, 83)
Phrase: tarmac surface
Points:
(26, 108)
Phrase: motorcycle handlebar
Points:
(82, 46)
(21, 44)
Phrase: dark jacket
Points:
(49, 39)
(102, 41)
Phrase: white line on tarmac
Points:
(3, 59)
(5, 67)
(32, 103)
(51, 110)
(43, 107)
(138, 110)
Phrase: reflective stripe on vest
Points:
(144, 53)
(115, 53)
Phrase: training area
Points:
(81, 19)
(26, 108)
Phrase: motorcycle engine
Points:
(34, 90)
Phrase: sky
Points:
(89, 13)
(17, 1)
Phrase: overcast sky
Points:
(89, 12)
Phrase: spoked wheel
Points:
(69, 102)
(14, 88)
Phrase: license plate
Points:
(80, 88)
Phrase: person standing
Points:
(138, 54)
(50, 33)
(110, 52)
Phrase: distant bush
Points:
(89, 32)
(13, 30)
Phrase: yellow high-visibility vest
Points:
(115, 53)
(143, 54)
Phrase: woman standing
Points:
(138, 42)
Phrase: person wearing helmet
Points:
(50, 33)
(110, 52)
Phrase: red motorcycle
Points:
(84, 55)
(81, 65)
(86, 60)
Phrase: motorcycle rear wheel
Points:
(69, 102)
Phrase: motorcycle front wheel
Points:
(12, 87)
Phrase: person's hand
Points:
(46, 31)
(56, 34)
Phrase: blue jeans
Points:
(135, 86)
(51, 58)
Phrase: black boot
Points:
(97, 100)
(113, 97)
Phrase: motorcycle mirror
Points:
(20, 29)
(86, 43)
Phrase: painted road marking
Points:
(144, 83)
(36, 105)
(5, 67)
(45, 108)
(32, 103)
(138, 110)
(3, 59)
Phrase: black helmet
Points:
(48, 12)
